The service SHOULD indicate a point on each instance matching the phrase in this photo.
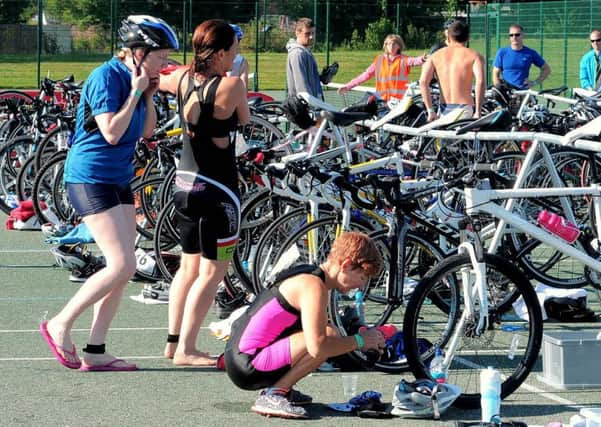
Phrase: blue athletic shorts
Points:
(88, 199)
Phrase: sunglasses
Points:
(515, 34)
(596, 41)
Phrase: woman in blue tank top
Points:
(115, 110)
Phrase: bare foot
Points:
(63, 342)
(170, 350)
(93, 359)
(197, 358)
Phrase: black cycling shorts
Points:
(244, 375)
(208, 216)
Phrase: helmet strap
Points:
(138, 66)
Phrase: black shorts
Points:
(89, 199)
(208, 216)
(242, 373)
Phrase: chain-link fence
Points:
(56, 37)
(81, 33)
(558, 30)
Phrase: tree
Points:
(82, 13)
(12, 11)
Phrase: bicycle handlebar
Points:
(575, 138)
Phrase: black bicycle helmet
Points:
(501, 93)
(144, 31)
(297, 111)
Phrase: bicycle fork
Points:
(473, 283)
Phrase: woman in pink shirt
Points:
(391, 70)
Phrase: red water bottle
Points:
(558, 225)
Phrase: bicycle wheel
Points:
(310, 244)
(44, 186)
(147, 204)
(11, 100)
(55, 140)
(13, 156)
(509, 342)
(541, 261)
(167, 250)
(382, 305)
(60, 199)
(258, 212)
(260, 133)
(25, 179)
(274, 113)
(270, 241)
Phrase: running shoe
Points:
(50, 229)
(277, 405)
(156, 291)
(71, 256)
(225, 304)
(81, 274)
(297, 398)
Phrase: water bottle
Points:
(360, 307)
(558, 225)
(437, 368)
(513, 348)
(490, 390)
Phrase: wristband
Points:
(359, 340)
(136, 93)
(430, 110)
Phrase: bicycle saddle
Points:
(368, 106)
(497, 120)
(345, 119)
(255, 101)
(592, 98)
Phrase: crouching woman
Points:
(285, 334)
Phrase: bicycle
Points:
(478, 330)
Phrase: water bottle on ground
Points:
(360, 307)
(558, 225)
(490, 391)
(437, 368)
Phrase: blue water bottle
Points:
(490, 392)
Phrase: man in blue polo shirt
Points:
(590, 64)
(512, 63)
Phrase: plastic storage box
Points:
(592, 415)
(571, 359)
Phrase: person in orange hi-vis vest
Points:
(391, 70)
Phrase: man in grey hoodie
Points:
(302, 74)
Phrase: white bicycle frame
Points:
(481, 201)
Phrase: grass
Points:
(20, 71)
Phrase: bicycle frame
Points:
(481, 201)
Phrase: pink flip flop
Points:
(55, 347)
(109, 367)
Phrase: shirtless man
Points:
(456, 67)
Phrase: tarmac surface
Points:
(37, 391)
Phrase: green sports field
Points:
(21, 71)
